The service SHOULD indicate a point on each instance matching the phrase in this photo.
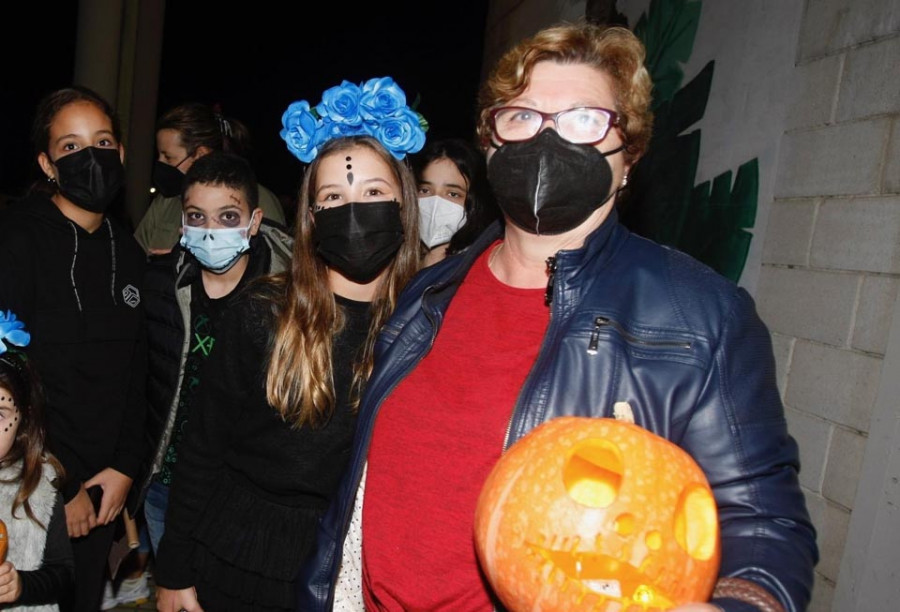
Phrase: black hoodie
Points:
(79, 295)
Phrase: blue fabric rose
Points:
(341, 104)
(381, 98)
(301, 131)
(375, 108)
(400, 133)
(12, 331)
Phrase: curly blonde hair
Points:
(615, 51)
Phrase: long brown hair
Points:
(20, 380)
(299, 378)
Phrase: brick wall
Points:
(831, 259)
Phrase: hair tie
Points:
(376, 108)
(224, 126)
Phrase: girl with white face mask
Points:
(455, 203)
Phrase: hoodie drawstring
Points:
(112, 244)
(72, 268)
(112, 284)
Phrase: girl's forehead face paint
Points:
(349, 168)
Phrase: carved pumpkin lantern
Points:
(597, 514)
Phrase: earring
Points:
(625, 181)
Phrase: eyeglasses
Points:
(585, 125)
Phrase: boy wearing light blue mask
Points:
(225, 244)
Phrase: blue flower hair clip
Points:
(375, 108)
(12, 331)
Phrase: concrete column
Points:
(97, 46)
(118, 52)
(138, 88)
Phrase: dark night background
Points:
(255, 63)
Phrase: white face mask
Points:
(439, 219)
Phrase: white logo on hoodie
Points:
(131, 295)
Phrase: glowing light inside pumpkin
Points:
(644, 595)
(696, 522)
(654, 540)
(625, 524)
(593, 474)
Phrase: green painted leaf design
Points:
(668, 30)
(707, 221)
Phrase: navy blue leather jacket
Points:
(634, 322)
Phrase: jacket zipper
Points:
(548, 301)
(551, 274)
(601, 322)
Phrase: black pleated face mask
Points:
(168, 180)
(91, 178)
(359, 239)
(548, 185)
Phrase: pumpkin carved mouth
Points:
(606, 576)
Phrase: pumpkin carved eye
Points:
(593, 474)
(696, 529)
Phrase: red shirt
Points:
(436, 438)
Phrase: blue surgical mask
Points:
(217, 250)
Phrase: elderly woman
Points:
(560, 311)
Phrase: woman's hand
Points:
(80, 516)
(10, 583)
(115, 487)
(168, 600)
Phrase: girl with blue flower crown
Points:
(268, 441)
(36, 564)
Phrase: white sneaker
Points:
(134, 590)
(109, 597)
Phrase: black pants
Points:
(91, 554)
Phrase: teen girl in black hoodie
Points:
(73, 275)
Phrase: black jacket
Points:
(167, 287)
(79, 294)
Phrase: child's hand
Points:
(115, 487)
(168, 600)
(10, 583)
(80, 517)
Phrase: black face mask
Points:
(359, 239)
(168, 180)
(91, 178)
(548, 185)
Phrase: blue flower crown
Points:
(375, 108)
(12, 332)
